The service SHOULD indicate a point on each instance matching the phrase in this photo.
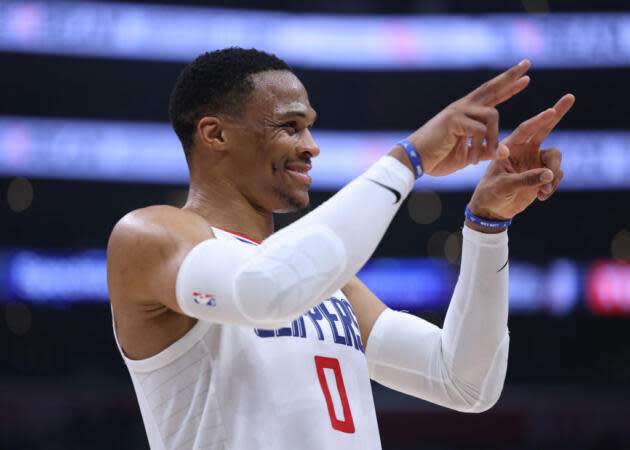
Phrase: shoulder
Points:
(159, 217)
(149, 243)
(159, 224)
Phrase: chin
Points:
(292, 202)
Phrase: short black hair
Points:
(215, 82)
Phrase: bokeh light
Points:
(453, 247)
(620, 245)
(424, 207)
(436, 243)
(20, 194)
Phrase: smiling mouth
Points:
(299, 170)
(302, 176)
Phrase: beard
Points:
(291, 203)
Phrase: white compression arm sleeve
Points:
(461, 366)
(296, 268)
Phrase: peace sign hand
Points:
(510, 185)
(443, 142)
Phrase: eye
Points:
(293, 125)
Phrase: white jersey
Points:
(221, 386)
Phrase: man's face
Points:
(277, 145)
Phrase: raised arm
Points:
(151, 260)
(462, 366)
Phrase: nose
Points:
(308, 145)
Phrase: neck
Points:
(223, 206)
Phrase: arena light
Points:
(555, 288)
(419, 284)
(151, 153)
(403, 283)
(347, 42)
(43, 277)
(608, 288)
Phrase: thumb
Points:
(503, 151)
(531, 178)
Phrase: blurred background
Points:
(84, 138)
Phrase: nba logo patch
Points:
(204, 299)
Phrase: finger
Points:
(534, 178)
(469, 127)
(475, 149)
(476, 130)
(552, 159)
(527, 129)
(492, 92)
(542, 196)
(517, 87)
(502, 152)
(561, 107)
(489, 116)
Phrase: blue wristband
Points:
(493, 224)
(413, 156)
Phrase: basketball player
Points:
(237, 337)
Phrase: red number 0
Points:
(321, 363)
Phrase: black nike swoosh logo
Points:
(504, 266)
(390, 189)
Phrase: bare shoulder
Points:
(157, 220)
(144, 252)
(145, 249)
(156, 227)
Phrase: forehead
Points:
(278, 91)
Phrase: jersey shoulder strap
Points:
(220, 233)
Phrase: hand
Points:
(511, 185)
(443, 142)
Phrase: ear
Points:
(210, 133)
